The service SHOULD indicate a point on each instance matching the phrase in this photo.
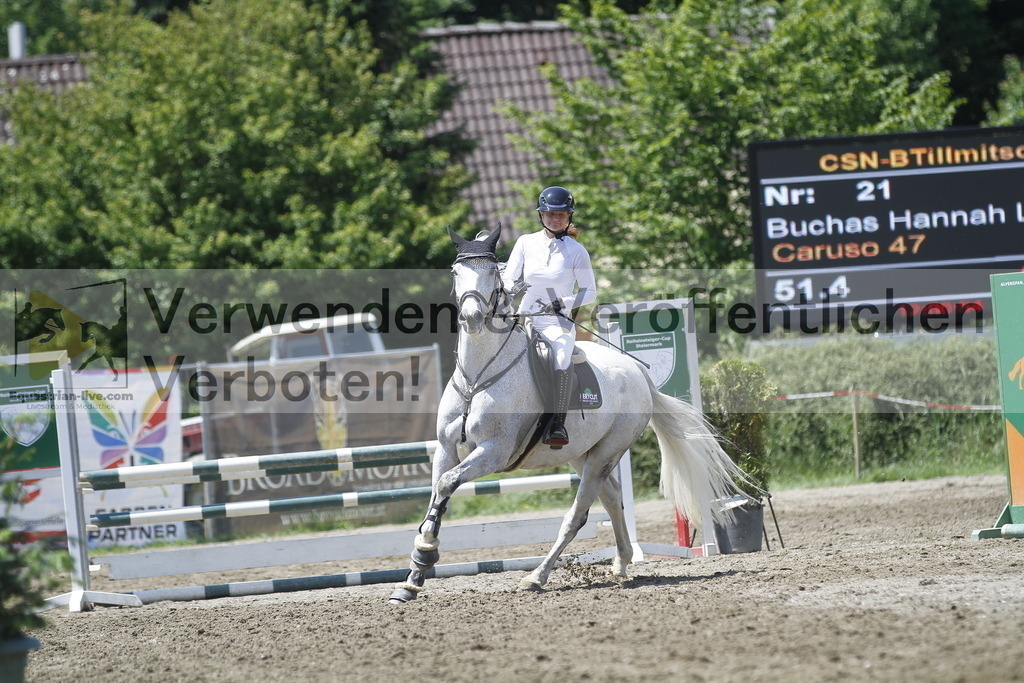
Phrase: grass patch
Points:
(904, 471)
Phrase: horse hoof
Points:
(401, 596)
(529, 584)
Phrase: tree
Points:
(255, 133)
(1009, 110)
(658, 158)
(50, 27)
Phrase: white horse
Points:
(490, 408)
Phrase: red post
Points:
(682, 531)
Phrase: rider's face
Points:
(555, 221)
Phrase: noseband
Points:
(490, 304)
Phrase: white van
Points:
(337, 336)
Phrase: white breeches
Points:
(560, 334)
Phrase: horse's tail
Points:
(695, 471)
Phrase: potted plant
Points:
(26, 570)
(736, 397)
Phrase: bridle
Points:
(474, 386)
(491, 303)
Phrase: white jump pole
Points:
(80, 598)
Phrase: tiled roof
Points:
(495, 63)
(58, 72)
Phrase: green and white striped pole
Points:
(352, 499)
(249, 467)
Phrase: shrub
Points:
(26, 569)
(736, 398)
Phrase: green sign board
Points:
(26, 410)
(661, 334)
(1008, 313)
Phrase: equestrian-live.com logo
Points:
(89, 322)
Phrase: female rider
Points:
(557, 270)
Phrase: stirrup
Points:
(556, 436)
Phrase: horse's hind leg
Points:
(611, 499)
(590, 485)
(110, 362)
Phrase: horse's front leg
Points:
(90, 360)
(446, 480)
(425, 554)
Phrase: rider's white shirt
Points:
(552, 268)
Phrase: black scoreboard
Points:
(913, 219)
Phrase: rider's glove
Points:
(518, 288)
(555, 306)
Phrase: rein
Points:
(474, 386)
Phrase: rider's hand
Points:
(518, 288)
(555, 307)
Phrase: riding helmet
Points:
(556, 199)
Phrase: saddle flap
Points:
(586, 390)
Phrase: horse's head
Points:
(477, 281)
(58, 318)
(86, 331)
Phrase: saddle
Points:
(584, 394)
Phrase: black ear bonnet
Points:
(475, 248)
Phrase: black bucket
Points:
(742, 528)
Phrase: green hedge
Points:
(810, 442)
(813, 439)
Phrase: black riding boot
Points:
(557, 436)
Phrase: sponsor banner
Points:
(26, 410)
(134, 424)
(299, 418)
(1008, 297)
